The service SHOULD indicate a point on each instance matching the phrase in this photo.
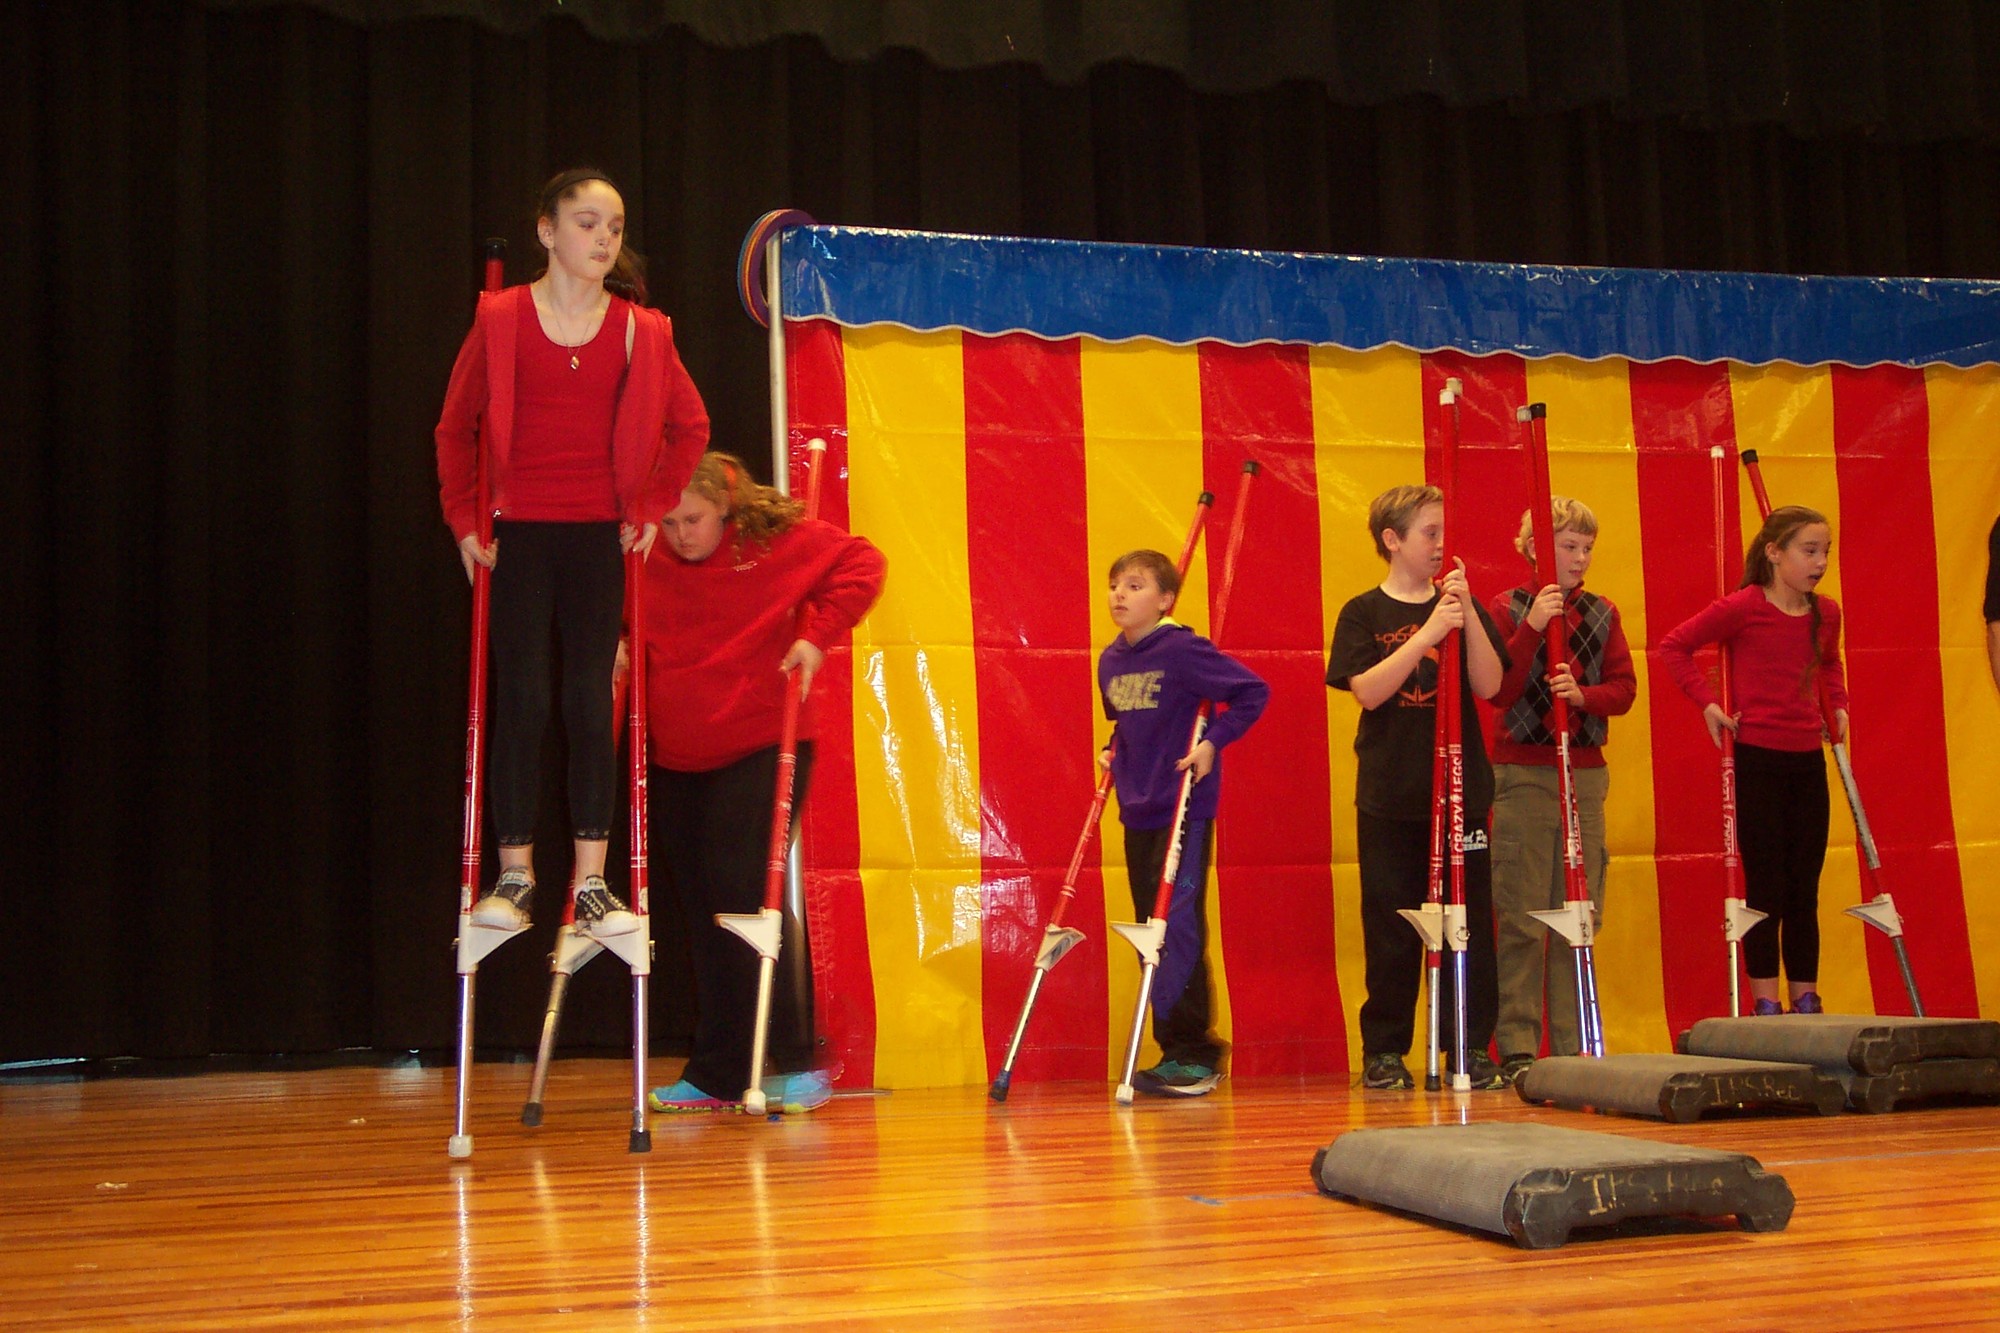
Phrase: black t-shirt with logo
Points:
(1396, 740)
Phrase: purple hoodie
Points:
(1152, 690)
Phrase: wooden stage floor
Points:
(326, 1200)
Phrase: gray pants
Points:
(1528, 876)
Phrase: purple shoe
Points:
(1767, 1008)
(1808, 1004)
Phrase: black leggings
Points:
(571, 574)
(711, 839)
(1781, 823)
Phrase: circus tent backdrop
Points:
(1006, 416)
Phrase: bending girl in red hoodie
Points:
(720, 611)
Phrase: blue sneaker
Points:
(795, 1094)
(684, 1097)
(1808, 1003)
(1766, 1009)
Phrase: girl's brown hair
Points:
(628, 272)
(759, 512)
(1779, 530)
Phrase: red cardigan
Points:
(716, 629)
(657, 402)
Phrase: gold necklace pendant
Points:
(574, 362)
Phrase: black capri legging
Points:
(1782, 814)
(571, 574)
(711, 846)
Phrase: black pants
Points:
(1395, 868)
(711, 838)
(1182, 998)
(571, 575)
(1781, 825)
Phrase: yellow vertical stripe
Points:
(1368, 435)
(916, 762)
(1785, 413)
(1142, 472)
(1594, 458)
(1965, 499)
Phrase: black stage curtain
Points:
(235, 680)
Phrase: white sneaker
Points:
(505, 905)
(600, 912)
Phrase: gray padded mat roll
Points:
(1864, 1043)
(1921, 1080)
(1678, 1088)
(1534, 1183)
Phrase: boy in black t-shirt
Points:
(1385, 652)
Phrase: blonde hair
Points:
(1396, 508)
(759, 512)
(1569, 516)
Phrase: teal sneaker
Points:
(684, 1097)
(1171, 1078)
(795, 1094)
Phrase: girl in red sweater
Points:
(572, 390)
(1783, 638)
(720, 646)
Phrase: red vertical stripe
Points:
(1888, 579)
(830, 829)
(1679, 411)
(1492, 469)
(1028, 549)
(1274, 834)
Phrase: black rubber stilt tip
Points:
(642, 1140)
(531, 1114)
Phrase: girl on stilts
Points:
(572, 390)
(722, 603)
(1782, 636)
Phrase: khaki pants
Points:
(1528, 876)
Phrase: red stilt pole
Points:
(1146, 936)
(470, 947)
(1450, 714)
(1576, 920)
(1737, 916)
(1057, 938)
(1438, 921)
(637, 948)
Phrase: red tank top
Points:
(560, 467)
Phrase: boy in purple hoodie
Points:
(1154, 677)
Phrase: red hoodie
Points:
(716, 629)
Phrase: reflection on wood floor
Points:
(326, 1200)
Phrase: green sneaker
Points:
(1171, 1078)
(1386, 1072)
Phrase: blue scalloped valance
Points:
(1060, 289)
